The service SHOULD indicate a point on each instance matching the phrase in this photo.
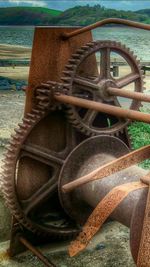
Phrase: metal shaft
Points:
(36, 252)
(128, 94)
(105, 22)
(113, 110)
(110, 168)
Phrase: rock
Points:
(100, 246)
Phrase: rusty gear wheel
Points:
(31, 168)
(83, 79)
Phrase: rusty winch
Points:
(72, 150)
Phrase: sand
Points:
(14, 52)
(17, 73)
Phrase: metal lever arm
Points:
(110, 168)
(105, 22)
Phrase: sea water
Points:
(137, 40)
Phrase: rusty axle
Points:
(93, 153)
(112, 110)
(128, 94)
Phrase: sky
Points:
(63, 5)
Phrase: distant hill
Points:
(145, 12)
(27, 15)
(78, 15)
(84, 15)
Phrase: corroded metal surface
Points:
(94, 87)
(33, 161)
(111, 168)
(102, 211)
(40, 149)
(95, 152)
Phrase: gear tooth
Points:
(5, 169)
(66, 79)
(14, 142)
(38, 112)
(19, 130)
(76, 56)
(67, 73)
(45, 85)
(10, 149)
(15, 136)
(69, 66)
(3, 160)
(8, 157)
(7, 163)
(42, 107)
(27, 121)
(22, 126)
(80, 51)
(52, 82)
(41, 98)
(31, 115)
(85, 47)
(72, 61)
(91, 44)
(7, 191)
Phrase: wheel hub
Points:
(102, 93)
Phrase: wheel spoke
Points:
(105, 63)
(40, 195)
(86, 84)
(45, 155)
(130, 78)
(89, 117)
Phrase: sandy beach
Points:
(11, 52)
(14, 52)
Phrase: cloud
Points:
(65, 4)
(27, 2)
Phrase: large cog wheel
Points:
(27, 191)
(82, 81)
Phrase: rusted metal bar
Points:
(128, 94)
(102, 211)
(112, 110)
(36, 252)
(105, 22)
(144, 248)
(110, 168)
(130, 211)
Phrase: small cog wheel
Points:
(86, 78)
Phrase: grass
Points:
(140, 136)
(53, 12)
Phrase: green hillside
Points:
(84, 15)
(79, 15)
(145, 12)
(27, 15)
